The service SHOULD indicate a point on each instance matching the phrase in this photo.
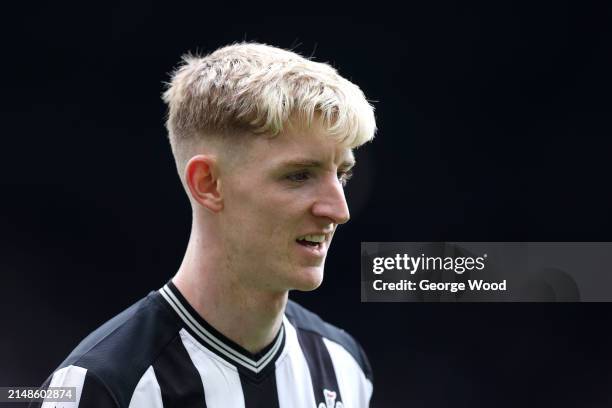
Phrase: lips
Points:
(315, 238)
(309, 246)
(307, 243)
(312, 251)
(315, 243)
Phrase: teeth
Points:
(313, 238)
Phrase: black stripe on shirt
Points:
(320, 365)
(179, 380)
(95, 394)
(260, 394)
(306, 320)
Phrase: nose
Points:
(330, 202)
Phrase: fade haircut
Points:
(250, 88)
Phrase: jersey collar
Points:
(209, 337)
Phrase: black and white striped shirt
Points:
(161, 353)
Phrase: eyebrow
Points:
(346, 164)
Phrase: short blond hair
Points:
(257, 88)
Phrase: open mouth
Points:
(312, 241)
(307, 243)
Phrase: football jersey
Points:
(161, 353)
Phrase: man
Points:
(263, 142)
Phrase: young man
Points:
(263, 143)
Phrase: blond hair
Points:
(256, 88)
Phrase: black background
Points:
(494, 125)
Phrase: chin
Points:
(309, 279)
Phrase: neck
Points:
(248, 316)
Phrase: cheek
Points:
(254, 224)
(266, 211)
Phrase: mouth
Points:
(313, 241)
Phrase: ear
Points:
(201, 176)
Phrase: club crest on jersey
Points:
(330, 400)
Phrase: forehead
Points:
(307, 143)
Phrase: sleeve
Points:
(90, 390)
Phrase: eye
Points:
(299, 177)
(345, 176)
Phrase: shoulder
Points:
(304, 320)
(117, 354)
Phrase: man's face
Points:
(282, 204)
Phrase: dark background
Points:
(494, 125)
